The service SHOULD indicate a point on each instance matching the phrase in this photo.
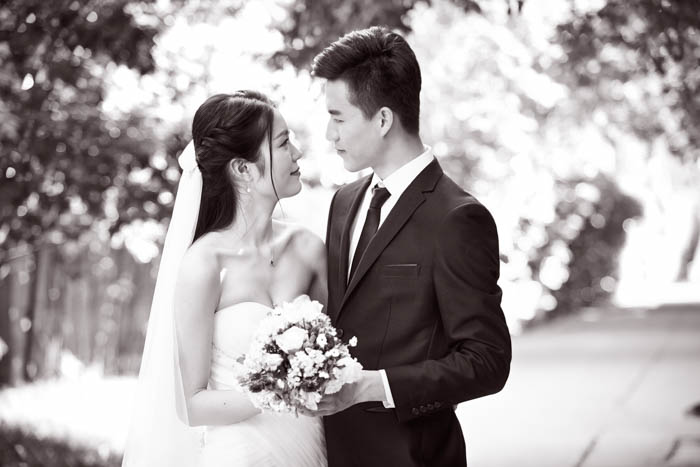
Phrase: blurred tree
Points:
(578, 265)
(64, 164)
(311, 24)
(635, 67)
(654, 43)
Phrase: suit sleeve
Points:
(465, 275)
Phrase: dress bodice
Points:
(234, 327)
(264, 440)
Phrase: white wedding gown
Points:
(267, 439)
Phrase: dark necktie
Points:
(379, 196)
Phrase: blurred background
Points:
(576, 122)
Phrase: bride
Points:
(225, 264)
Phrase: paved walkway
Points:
(605, 388)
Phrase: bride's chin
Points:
(292, 191)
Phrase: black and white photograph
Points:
(349, 233)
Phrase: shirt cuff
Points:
(389, 403)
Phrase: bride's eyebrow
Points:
(282, 133)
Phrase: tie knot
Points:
(379, 196)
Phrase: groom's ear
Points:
(385, 120)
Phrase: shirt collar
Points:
(399, 180)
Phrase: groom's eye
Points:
(284, 143)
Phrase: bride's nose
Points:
(296, 152)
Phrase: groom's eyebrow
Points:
(334, 112)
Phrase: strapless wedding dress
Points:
(267, 439)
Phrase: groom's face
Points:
(354, 137)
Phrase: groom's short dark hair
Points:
(380, 70)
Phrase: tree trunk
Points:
(40, 349)
(29, 367)
(17, 283)
(5, 331)
(691, 248)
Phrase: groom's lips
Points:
(296, 172)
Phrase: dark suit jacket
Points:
(425, 306)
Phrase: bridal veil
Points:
(159, 434)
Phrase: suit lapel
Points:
(355, 196)
(403, 210)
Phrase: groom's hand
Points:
(368, 388)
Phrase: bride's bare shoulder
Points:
(200, 260)
(304, 242)
(198, 283)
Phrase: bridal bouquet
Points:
(295, 358)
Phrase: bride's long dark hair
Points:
(225, 127)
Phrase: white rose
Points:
(333, 386)
(353, 341)
(310, 400)
(272, 360)
(321, 340)
(292, 339)
(350, 369)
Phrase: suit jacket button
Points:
(415, 411)
(438, 405)
(423, 409)
(431, 407)
(339, 333)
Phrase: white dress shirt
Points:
(396, 184)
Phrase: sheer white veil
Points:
(159, 434)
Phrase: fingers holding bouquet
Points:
(368, 387)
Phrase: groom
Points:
(412, 269)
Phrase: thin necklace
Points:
(272, 250)
(272, 255)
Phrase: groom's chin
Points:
(352, 167)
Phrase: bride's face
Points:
(282, 161)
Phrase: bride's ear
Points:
(240, 169)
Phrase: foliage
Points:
(311, 24)
(480, 107)
(26, 448)
(523, 139)
(633, 69)
(66, 164)
(638, 62)
(577, 263)
(68, 169)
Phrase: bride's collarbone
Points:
(282, 253)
